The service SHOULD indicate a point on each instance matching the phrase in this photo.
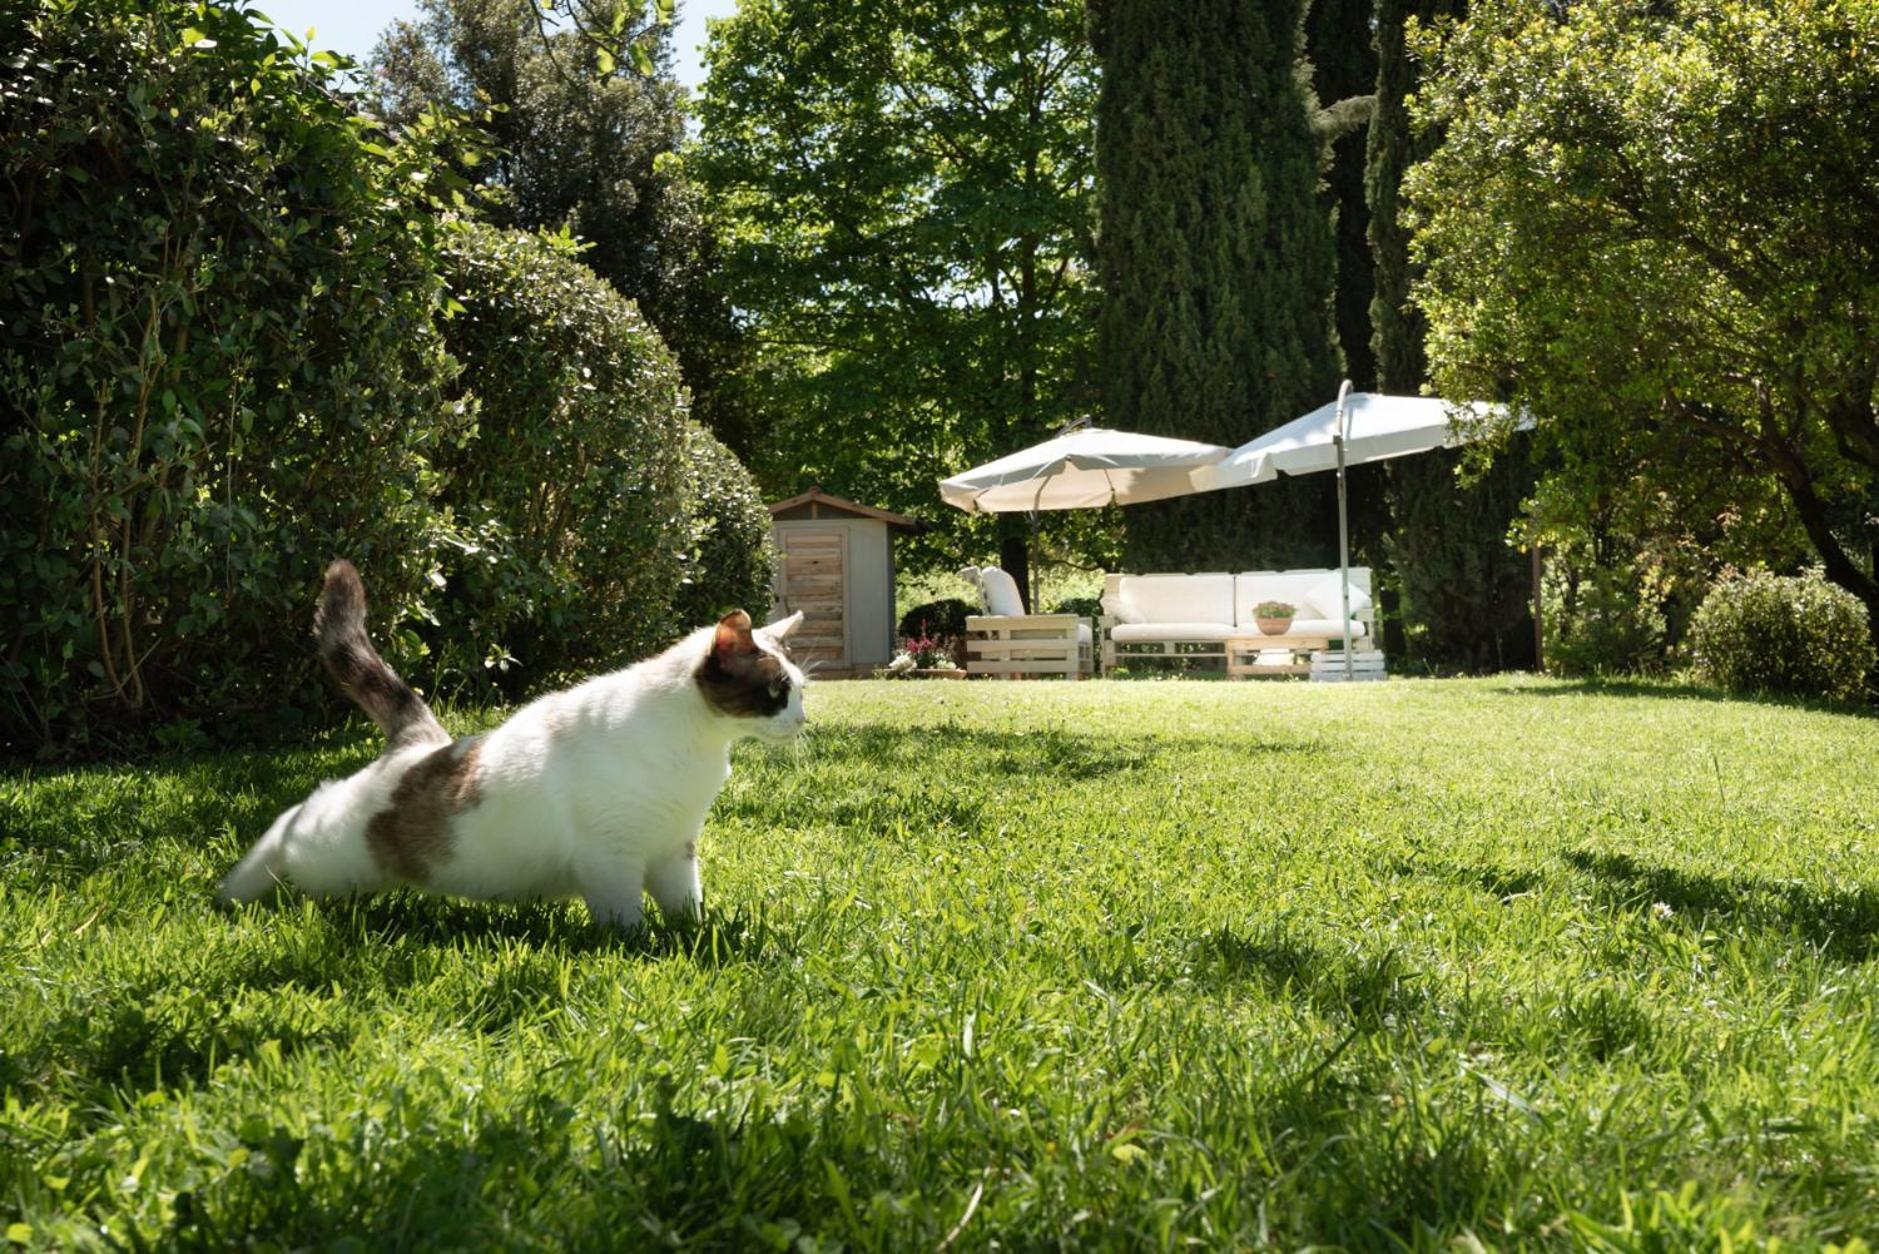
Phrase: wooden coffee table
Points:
(1243, 653)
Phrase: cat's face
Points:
(747, 676)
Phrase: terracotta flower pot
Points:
(1274, 626)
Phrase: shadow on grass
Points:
(1364, 988)
(1050, 753)
(1844, 924)
(1671, 690)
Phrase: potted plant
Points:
(931, 655)
(1274, 617)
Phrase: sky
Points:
(352, 26)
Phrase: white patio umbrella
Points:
(1357, 427)
(1083, 469)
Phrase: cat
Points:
(599, 791)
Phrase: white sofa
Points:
(1205, 614)
(1007, 641)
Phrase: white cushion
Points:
(1182, 599)
(1084, 634)
(1001, 592)
(1126, 633)
(1296, 588)
(1327, 597)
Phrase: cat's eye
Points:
(778, 687)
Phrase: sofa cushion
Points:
(1315, 628)
(1297, 588)
(1144, 633)
(1175, 599)
(1001, 591)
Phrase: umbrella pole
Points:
(1343, 528)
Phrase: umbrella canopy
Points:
(1376, 427)
(1083, 469)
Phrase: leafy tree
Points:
(581, 110)
(905, 194)
(1217, 263)
(1656, 233)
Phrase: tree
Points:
(1648, 230)
(1343, 55)
(1455, 592)
(581, 108)
(1217, 262)
(905, 192)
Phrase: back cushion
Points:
(1176, 599)
(1001, 591)
(1302, 589)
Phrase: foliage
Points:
(1342, 50)
(218, 368)
(905, 191)
(1798, 636)
(938, 618)
(1603, 621)
(575, 146)
(574, 500)
(1217, 264)
(1464, 593)
(1688, 182)
(1075, 902)
(1083, 607)
(1275, 609)
(731, 561)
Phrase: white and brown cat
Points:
(598, 792)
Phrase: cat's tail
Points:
(261, 867)
(339, 626)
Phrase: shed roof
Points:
(821, 500)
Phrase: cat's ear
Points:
(733, 637)
(784, 629)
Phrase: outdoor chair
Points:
(1007, 641)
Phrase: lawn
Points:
(1019, 964)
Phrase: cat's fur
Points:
(597, 792)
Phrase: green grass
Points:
(1025, 964)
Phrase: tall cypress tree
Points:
(1217, 264)
(1461, 595)
(1343, 55)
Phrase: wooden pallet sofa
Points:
(1006, 641)
(1211, 615)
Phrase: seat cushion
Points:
(1184, 599)
(1162, 633)
(1314, 627)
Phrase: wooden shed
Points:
(836, 565)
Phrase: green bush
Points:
(218, 369)
(1600, 622)
(945, 618)
(572, 498)
(1801, 636)
(1083, 607)
(731, 560)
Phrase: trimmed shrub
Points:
(218, 369)
(945, 618)
(731, 559)
(1600, 624)
(572, 498)
(1800, 636)
(1084, 607)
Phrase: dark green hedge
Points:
(218, 367)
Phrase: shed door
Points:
(815, 581)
